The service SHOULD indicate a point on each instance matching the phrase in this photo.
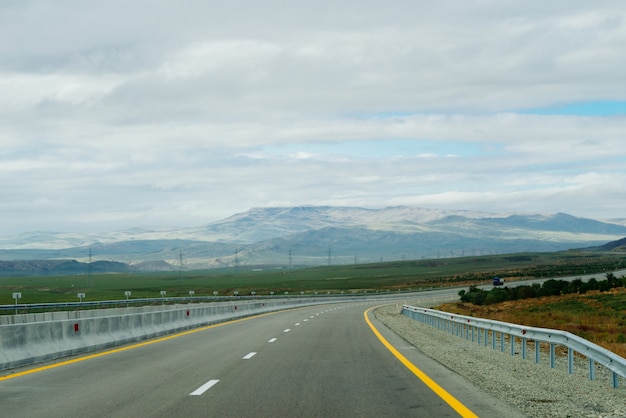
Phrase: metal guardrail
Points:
(23, 313)
(24, 308)
(104, 304)
(485, 331)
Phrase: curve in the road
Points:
(441, 392)
(205, 385)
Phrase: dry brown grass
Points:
(597, 317)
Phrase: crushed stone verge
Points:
(535, 389)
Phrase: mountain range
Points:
(315, 235)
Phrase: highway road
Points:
(322, 361)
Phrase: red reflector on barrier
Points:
(187, 312)
(235, 308)
(75, 327)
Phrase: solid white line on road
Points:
(287, 330)
(272, 340)
(204, 388)
(249, 356)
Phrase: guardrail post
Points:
(502, 341)
(552, 355)
(570, 360)
(537, 351)
(524, 348)
(493, 339)
(486, 337)
(592, 369)
(615, 380)
(512, 337)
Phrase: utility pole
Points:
(236, 260)
(180, 265)
(89, 283)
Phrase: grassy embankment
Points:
(599, 317)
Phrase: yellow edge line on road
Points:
(441, 392)
(126, 348)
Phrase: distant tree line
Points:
(550, 287)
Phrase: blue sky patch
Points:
(599, 108)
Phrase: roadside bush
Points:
(497, 296)
(526, 292)
(553, 287)
(475, 295)
(604, 286)
(550, 287)
(591, 284)
(575, 286)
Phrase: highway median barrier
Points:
(35, 338)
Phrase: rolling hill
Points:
(314, 235)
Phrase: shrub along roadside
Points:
(550, 287)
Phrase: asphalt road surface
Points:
(322, 361)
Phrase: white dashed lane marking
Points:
(272, 340)
(249, 356)
(204, 388)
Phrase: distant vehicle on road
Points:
(498, 281)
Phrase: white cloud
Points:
(117, 114)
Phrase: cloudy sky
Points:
(115, 114)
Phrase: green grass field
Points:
(341, 278)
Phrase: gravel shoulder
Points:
(535, 389)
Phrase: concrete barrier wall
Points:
(94, 313)
(61, 334)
